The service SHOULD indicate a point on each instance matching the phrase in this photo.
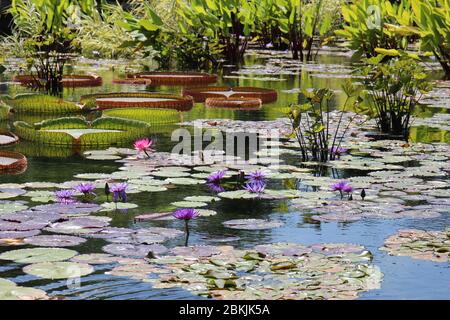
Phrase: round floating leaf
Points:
(112, 206)
(252, 224)
(196, 251)
(9, 207)
(104, 258)
(238, 194)
(54, 241)
(38, 255)
(133, 250)
(14, 292)
(155, 216)
(58, 270)
(206, 212)
(184, 181)
(202, 198)
(189, 204)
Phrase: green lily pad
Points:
(202, 198)
(112, 206)
(252, 224)
(58, 270)
(38, 255)
(189, 204)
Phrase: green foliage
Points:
(163, 40)
(4, 110)
(28, 132)
(45, 30)
(63, 123)
(100, 35)
(371, 24)
(152, 116)
(128, 130)
(301, 21)
(40, 104)
(227, 22)
(394, 89)
(432, 18)
(312, 123)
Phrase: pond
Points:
(403, 276)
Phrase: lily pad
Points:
(38, 255)
(54, 241)
(58, 270)
(112, 206)
(133, 250)
(252, 224)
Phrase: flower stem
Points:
(186, 224)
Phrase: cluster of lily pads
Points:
(420, 244)
(273, 271)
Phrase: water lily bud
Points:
(363, 194)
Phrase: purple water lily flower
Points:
(85, 188)
(257, 176)
(65, 196)
(347, 188)
(339, 186)
(255, 187)
(215, 187)
(186, 214)
(216, 176)
(342, 186)
(119, 191)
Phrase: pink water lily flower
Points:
(143, 145)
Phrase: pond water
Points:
(404, 277)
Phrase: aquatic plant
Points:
(342, 186)
(313, 127)
(40, 104)
(143, 145)
(255, 187)
(215, 177)
(338, 151)
(112, 131)
(186, 215)
(303, 21)
(105, 101)
(65, 196)
(432, 19)
(370, 25)
(394, 90)
(46, 30)
(86, 189)
(153, 116)
(4, 110)
(216, 187)
(119, 191)
(256, 176)
(229, 23)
